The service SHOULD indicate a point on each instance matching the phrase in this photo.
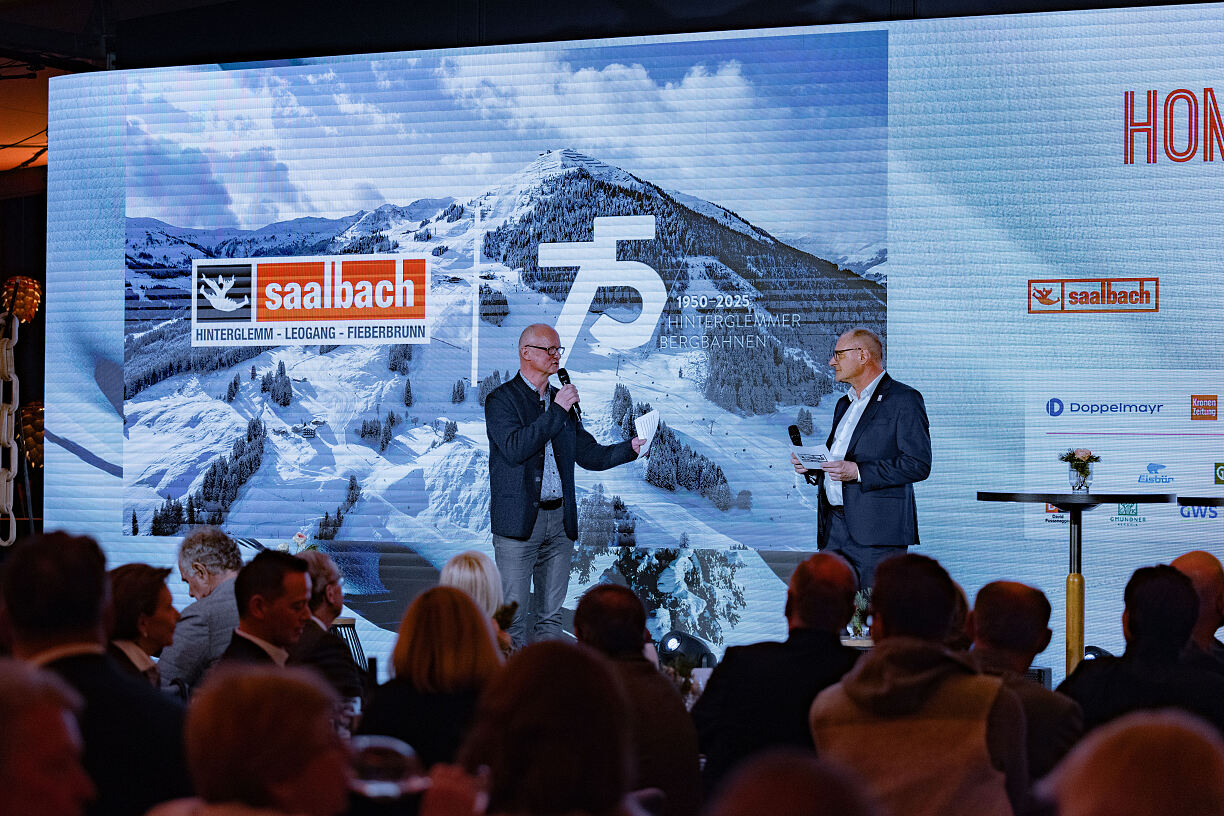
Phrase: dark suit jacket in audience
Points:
(327, 653)
(133, 736)
(245, 651)
(433, 724)
(1108, 687)
(124, 662)
(664, 738)
(1055, 721)
(759, 696)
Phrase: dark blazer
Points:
(892, 447)
(245, 651)
(759, 695)
(518, 429)
(328, 654)
(1108, 687)
(123, 662)
(435, 725)
(133, 736)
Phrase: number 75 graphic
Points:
(597, 266)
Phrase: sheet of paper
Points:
(812, 456)
(645, 427)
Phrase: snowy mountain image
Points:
(386, 444)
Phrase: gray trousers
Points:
(543, 559)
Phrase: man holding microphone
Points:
(535, 439)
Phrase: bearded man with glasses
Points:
(880, 444)
(535, 439)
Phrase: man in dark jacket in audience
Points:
(1161, 609)
(56, 593)
(273, 595)
(759, 695)
(611, 620)
(319, 648)
(1010, 626)
(1205, 573)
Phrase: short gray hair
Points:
(212, 548)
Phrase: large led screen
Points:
(280, 293)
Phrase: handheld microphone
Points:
(563, 376)
(797, 440)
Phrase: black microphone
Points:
(563, 376)
(797, 441)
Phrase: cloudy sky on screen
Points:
(788, 131)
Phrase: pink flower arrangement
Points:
(1079, 459)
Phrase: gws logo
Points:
(1193, 512)
(1054, 407)
(1154, 476)
(223, 292)
(597, 266)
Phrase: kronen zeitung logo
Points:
(333, 299)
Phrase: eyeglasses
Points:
(551, 351)
(839, 352)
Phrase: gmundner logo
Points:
(338, 300)
(1056, 407)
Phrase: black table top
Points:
(1084, 499)
(1201, 501)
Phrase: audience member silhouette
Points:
(477, 575)
(40, 744)
(56, 593)
(1010, 626)
(319, 648)
(611, 620)
(1205, 573)
(273, 596)
(1165, 763)
(759, 695)
(260, 742)
(927, 732)
(792, 782)
(444, 656)
(143, 621)
(208, 562)
(1160, 613)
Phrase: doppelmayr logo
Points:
(1057, 407)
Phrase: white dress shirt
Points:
(841, 437)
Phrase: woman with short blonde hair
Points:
(477, 575)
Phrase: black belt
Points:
(551, 504)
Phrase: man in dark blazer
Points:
(319, 648)
(759, 695)
(273, 595)
(535, 439)
(880, 444)
(56, 591)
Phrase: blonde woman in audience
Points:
(444, 655)
(477, 575)
(260, 742)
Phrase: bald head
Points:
(821, 594)
(1011, 617)
(869, 341)
(1205, 573)
(540, 334)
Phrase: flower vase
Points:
(1080, 480)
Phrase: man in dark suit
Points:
(759, 695)
(880, 444)
(56, 591)
(535, 439)
(273, 595)
(1010, 626)
(319, 648)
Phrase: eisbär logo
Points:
(1062, 295)
(1203, 406)
(338, 300)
